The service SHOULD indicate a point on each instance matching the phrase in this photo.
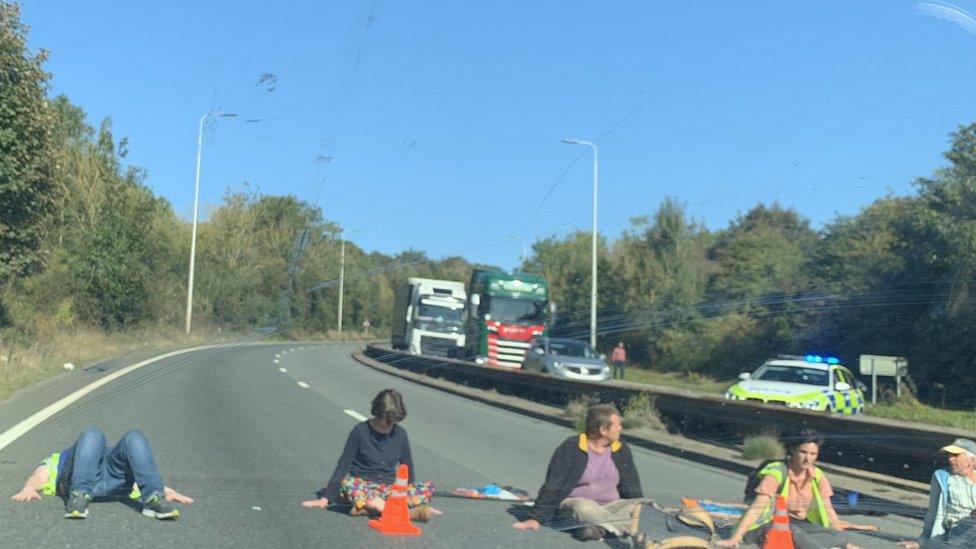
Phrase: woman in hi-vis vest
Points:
(813, 521)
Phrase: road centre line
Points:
(355, 415)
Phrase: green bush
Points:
(576, 410)
(762, 447)
(641, 411)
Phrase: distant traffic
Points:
(504, 320)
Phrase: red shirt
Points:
(619, 354)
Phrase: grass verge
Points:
(909, 408)
(26, 364)
(692, 381)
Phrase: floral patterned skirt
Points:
(356, 492)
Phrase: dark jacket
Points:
(371, 456)
(566, 468)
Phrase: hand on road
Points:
(320, 503)
(26, 495)
(173, 495)
(530, 524)
(858, 527)
(908, 544)
(727, 543)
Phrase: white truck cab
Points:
(428, 317)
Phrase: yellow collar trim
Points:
(584, 447)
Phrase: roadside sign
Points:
(878, 365)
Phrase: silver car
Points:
(566, 358)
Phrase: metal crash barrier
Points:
(899, 449)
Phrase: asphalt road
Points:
(249, 444)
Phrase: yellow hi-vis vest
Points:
(817, 514)
(50, 488)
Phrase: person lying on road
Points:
(591, 481)
(814, 523)
(90, 470)
(364, 475)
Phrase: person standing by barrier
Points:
(591, 482)
(619, 359)
(807, 491)
(366, 471)
(952, 500)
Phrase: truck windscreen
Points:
(437, 313)
(506, 309)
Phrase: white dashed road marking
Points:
(355, 415)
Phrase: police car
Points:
(810, 382)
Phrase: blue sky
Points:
(437, 125)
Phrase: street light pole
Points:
(593, 272)
(342, 275)
(196, 202)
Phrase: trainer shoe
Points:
(77, 506)
(157, 507)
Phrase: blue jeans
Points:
(618, 366)
(105, 472)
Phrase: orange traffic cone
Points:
(779, 536)
(395, 520)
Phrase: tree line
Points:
(897, 279)
(84, 241)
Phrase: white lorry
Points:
(428, 317)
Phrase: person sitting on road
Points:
(807, 492)
(591, 481)
(90, 470)
(364, 476)
(952, 499)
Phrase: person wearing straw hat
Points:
(952, 499)
(591, 484)
(807, 491)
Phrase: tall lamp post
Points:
(342, 275)
(593, 266)
(342, 272)
(196, 202)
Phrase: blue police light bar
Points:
(817, 359)
(832, 360)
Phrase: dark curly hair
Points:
(804, 436)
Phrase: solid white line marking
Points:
(355, 415)
(303, 385)
(19, 430)
(282, 370)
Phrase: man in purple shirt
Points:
(591, 480)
